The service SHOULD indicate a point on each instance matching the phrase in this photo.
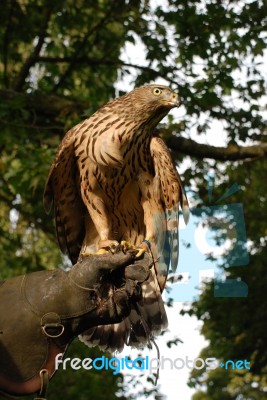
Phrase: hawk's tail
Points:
(146, 319)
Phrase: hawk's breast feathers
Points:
(112, 179)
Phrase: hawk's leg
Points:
(100, 218)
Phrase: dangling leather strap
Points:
(44, 376)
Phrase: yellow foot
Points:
(124, 245)
(84, 254)
(107, 246)
(143, 248)
(88, 253)
(104, 247)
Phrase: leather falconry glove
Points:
(42, 312)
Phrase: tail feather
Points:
(146, 319)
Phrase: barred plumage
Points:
(112, 179)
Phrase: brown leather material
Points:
(41, 313)
(15, 386)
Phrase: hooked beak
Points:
(176, 100)
(173, 101)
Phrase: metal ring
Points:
(53, 325)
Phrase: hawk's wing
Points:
(172, 195)
(62, 191)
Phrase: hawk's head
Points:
(154, 97)
(149, 102)
(158, 96)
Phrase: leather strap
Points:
(33, 385)
(44, 376)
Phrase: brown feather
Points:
(111, 179)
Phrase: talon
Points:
(124, 245)
(103, 251)
(86, 254)
(107, 246)
(141, 251)
(144, 248)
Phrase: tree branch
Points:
(230, 153)
(48, 105)
(55, 106)
(96, 61)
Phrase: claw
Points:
(104, 247)
(142, 249)
(107, 246)
(126, 246)
(88, 253)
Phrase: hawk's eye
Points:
(157, 91)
